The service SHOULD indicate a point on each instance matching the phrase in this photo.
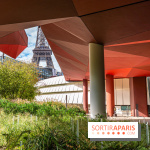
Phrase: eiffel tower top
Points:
(42, 51)
(41, 42)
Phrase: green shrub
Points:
(17, 80)
(45, 109)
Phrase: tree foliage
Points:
(17, 80)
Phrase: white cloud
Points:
(56, 65)
(27, 54)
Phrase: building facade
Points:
(57, 88)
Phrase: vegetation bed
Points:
(46, 126)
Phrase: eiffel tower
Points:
(42, 50)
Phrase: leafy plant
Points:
(44, 109)
(17, 80)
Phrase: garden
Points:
(29, 125)
(50, 125)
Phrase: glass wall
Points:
(45, 73)
(122, 91)
(122, 97)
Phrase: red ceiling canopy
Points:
(124, 32)
(122, 26)
(14, 43)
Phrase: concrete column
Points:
(85, 95)
(138, 96)
(97, 79)
(110, 95)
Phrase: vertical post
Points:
(72, 123)
(97, 79)
(101, 144)
(66, 101)
(3, 58)
(20, 145)
(110, 95)
(77, 130)
(147, 133)
(138, 96)
(18, 122)
(85, 95)
(13, 119)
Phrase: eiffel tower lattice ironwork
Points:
(42, 50)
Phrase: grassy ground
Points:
(20, 129)
(39, 132)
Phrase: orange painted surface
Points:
(110, 95)
(124, 32)
(122, 26)
(138, 96)
(90, 6)
(12, 50)
(14, 43)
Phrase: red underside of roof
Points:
(122, 26)
(14, 43)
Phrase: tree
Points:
(18, 79)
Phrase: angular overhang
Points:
(13, 44)
(123, 27)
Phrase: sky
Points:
(27, 54)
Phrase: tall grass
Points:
(44, 131)
(44, 109)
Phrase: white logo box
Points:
(112, 130)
